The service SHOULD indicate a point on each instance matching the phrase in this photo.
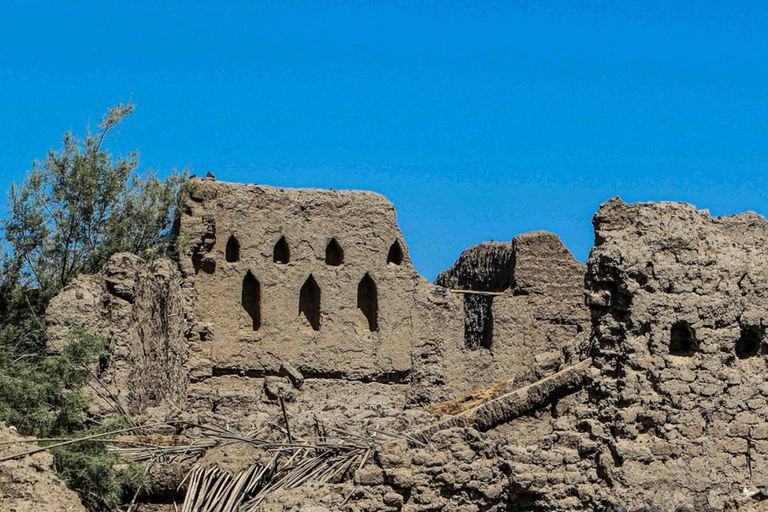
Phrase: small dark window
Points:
(233, 250)
(251, 300)
(748, 344)
(478, 321)
(334, 254)
(395, 254)
(368, 301)
(309, 302)
(682, 340)
(281, 254)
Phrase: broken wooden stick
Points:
(470, 400)
(516, 403)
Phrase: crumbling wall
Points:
(488, 267)
(311, 296)
(503, 310)
(30, 484)
(678, 308)
(140, 311)
(673, 413)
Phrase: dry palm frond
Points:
(332, 455)
(294, 463)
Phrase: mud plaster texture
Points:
(31, 484)
(678, 301)
(140, 311)
(311, 295)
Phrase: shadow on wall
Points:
(251, 300)
(478, 321)
(309, 303)
(368, 301)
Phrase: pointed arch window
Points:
(368, 301)
(309, 302)
(395, 254)
(334, 254)
(281, 253)
(251, 300)
(232, 252)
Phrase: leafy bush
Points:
(46, 398)
(89, 468)
(81, 205)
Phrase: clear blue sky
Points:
(479, 123)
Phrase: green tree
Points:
(81, 205)
(71, 213)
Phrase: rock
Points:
(297, 379)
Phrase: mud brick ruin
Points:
(635, 382)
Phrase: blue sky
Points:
(479, 120)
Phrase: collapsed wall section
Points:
(503, 310)
(140, 311)
(678, 307)
(30, 483)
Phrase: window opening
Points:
(682, 340)
(334, 254)
(395, 254)
(309, 302)
(251, 300)
(368, 301)
(748, 344)
(281, 254)
(232, 252)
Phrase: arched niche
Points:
(232, 252)
(309, 303)
(395, 254)
(282, 253)
(682, 340)
(334, 254)
(368, 301)
(749, 342)
(251, 300)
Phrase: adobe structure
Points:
(637, 381)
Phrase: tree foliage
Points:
(81, 205)
(46, 398)
(72, 212)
